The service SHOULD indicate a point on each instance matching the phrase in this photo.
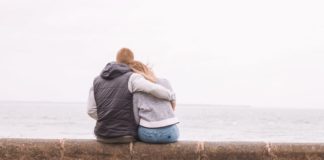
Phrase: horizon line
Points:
(82, 102)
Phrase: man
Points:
(111, 99)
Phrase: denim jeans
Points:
(166, 134)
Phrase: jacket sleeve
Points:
(167, 84)
(92, 106)
(137, 83)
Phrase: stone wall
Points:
(68, 149)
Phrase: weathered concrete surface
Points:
(62, 149)
(174, 151)
(91, 150)
(301, 151)
(235, 151)
(15, 149)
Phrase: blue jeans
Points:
(166, 134)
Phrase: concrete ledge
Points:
(66, 149)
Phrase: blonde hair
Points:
(144, 70)
(125, 56)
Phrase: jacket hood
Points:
(113, 70)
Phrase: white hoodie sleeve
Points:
(137, 83)
(92, 106)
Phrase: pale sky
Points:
(233, 52)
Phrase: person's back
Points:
(152, 112)
(114, 102)
(157, 122)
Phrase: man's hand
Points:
(173, 104)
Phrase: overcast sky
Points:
(233, 52)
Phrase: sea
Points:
(197, 122)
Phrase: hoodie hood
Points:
(113, 70)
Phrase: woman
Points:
(156, 119)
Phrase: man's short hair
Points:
(125, 56)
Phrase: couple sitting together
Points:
(129, 102)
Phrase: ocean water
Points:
(198, 122)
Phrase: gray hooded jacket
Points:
(114, 102)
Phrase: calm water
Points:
(58, 120)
